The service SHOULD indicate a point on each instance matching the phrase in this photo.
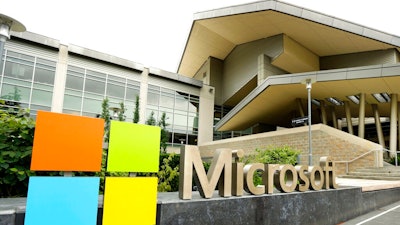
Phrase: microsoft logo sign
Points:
(74, 143)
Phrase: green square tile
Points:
(133, 147)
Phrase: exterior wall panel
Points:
(359, 59)
(242, 63)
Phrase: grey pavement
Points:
(388, 215)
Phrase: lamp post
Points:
(308, 83)
(8, 24)
(308, 86)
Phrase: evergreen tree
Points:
(164, 132)
(151, 120)
(136, 111)
(105, 114)
(121, 112)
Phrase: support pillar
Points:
(206, 114)
(348, 117)
(323, 113)
(300, 107)
(361, 116)
(393, 125)
(398, 125)
(378, 124)
(60, 79)
(334, 118)
(143, 95)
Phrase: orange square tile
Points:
(67, 143)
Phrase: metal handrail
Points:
(358, 157)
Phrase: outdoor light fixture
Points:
(8, 24)
(354, 98)
(335, 101)
(382, 97)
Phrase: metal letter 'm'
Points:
(220, 170)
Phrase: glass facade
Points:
(27, 81)
(86, 89)
(182, 113)
(219, 113)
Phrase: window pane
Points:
(115, 78)
(181, 103)
(41, 97)
(131, 93)
(194, 107)
(167, 101)
(116, 90)
(95, 86)
(17, 82)
(152, 98)
(92, 105)
(15, 93)
(72, 102)
(97, 75)
(74, 82)
(44, 76)
(19, 71)
(43, 86)
(180, 120)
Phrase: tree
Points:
(164, 132)
(121, 112)
(136, 112)
(151, 120)
(16, 140)
(105, 114)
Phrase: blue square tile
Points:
(62, 201)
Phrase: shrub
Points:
(271, 155)
(16, 140)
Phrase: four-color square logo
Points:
(74, 143)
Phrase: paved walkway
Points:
(368, 185)
(389, 214)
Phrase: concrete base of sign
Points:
(311, 207)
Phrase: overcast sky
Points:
(154, 32)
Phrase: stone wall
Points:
(326, 141)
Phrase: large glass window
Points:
(85, 90)
(181, 111)
(27, 81)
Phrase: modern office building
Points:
(242, 72)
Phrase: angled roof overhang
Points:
(217, 32)
(274, 101)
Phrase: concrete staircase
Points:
(387, 172)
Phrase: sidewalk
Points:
(368, 185)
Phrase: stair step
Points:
(375, 173)
(370, 177)
(380, 170)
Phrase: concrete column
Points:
(348, 117)
(378, 124)
(398, 125)
(334, 118)
(143, 95)
(206, 114)
(300, 107)
(361, 116)
(59, 80)
(323, 112)
(393, 125)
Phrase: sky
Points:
(154, 32)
